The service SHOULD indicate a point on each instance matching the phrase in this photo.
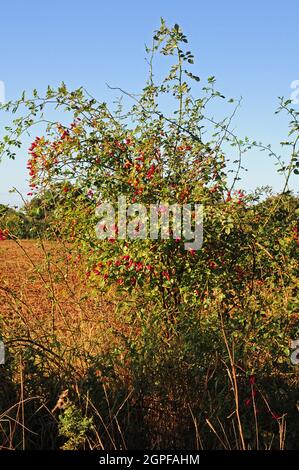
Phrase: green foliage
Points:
(13, 221)
(25, 223)
(74, 426)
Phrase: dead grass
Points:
(42, 294)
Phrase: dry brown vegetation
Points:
(42, 292)
(71, 380)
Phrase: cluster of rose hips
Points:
(3, 234)
(239, 195)
(36, 160)
(126, 262)
(250, 401)
(32, 163)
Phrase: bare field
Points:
(42, 295)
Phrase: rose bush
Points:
(240, 287)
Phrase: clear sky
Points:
(251, 47)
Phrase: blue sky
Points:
(251, 48)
